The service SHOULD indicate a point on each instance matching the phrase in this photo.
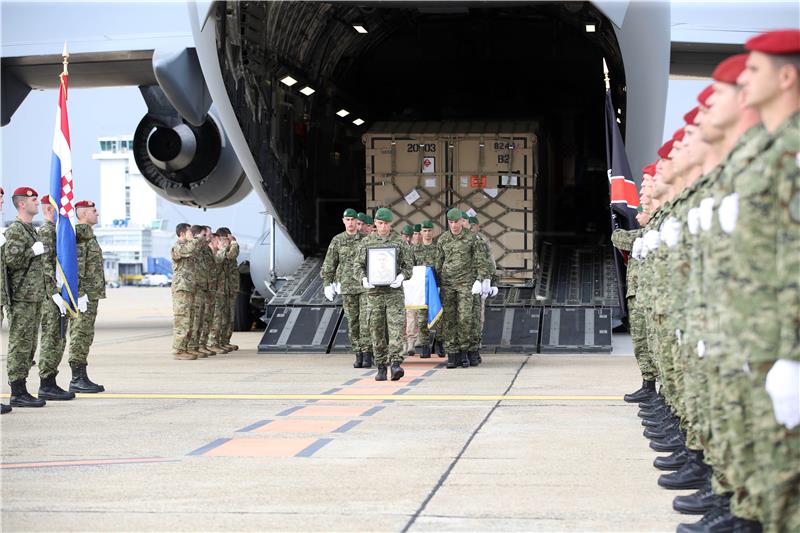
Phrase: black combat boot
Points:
(464, 359)
(670, 444)
(694, 474)
(721, 510)
(699, 502)
(673, 461)
(661, 431)
(647, 392)
(742, 525)
(452, 358)
(5, 409)
(474, 358)
(359, 360)
(49, 390)
(440, 348)
(426, 352)
(654, 412)
(397, 371)
(658, 421)
(655, 401)
(368, 360)
(21, 398)
(381, 374)
(80, 381)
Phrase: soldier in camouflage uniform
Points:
(231, 268)
(3, 407)
(23, 293)
(764, 223)
(203, 265)
(54, 313)
(339, 277)
(217, 287)
(385, 304)
(472, 225)
(463, 274)
(183, 253)
(91, 289)
(411, 329)
(425, 254)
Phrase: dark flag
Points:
(623, 189)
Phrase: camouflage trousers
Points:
(52, 342)
(411, 336)
(641, 350)
(218, 323)
(694, 383)
(23, 333)
(386, 321)
(422, 325)
(351, 305)
(363, 318)
(230, 306)
(458, 303)
(183, 311)
(717, 446)
(203, 310)
(775, 480)
(81, 334)
(477, 322)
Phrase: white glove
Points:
(636, 250)
(398, 281)
(486, 286)
(729, 212)
(706, 213)
(337, 287)
(651, 240)
(476, 287)
(38, 248)
(783, 386)
(493, 291)
(671, 232)
(693, 220)
(62, 306)
(329, 291)
(2, 239)
(366, 284)
(83, 303)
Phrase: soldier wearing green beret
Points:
(361, 218)
(471, 224)
(462, 275)
(416, 236)
(426, 253)
(338, 276)
(407, 231)
(385, 304)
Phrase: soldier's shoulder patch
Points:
(794, 206)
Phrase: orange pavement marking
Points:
(288, 425)
(367, 390)
(338, 403)
(372, 384)
(263, 447)
(322, 410)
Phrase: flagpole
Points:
(65, 72)
(621, 289)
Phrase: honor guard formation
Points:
(714, 296)
(383, 325)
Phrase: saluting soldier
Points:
(426, 253)
(23, 293)
(183, 290)
(385, 303)
(54, 313)
(462, 275)
(202, 265)
(91, 289)
(339, 277)
(231, 269)
(217, 289)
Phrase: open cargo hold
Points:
(421, 169)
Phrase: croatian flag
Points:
(61, 194)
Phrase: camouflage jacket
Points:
(461, 260)
(486, 256)
(426, 254)
(232, 267)
(183, 265)
(623, 240)
(788, 253)
(217, 274)
(23, 272)
(340, 263)
(91, 276)
(203, 265)
(404, 257)
(47, 234)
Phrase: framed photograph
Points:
(381, 266)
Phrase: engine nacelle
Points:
(190, 165)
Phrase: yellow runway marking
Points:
(353, 397)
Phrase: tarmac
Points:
(305, 442)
